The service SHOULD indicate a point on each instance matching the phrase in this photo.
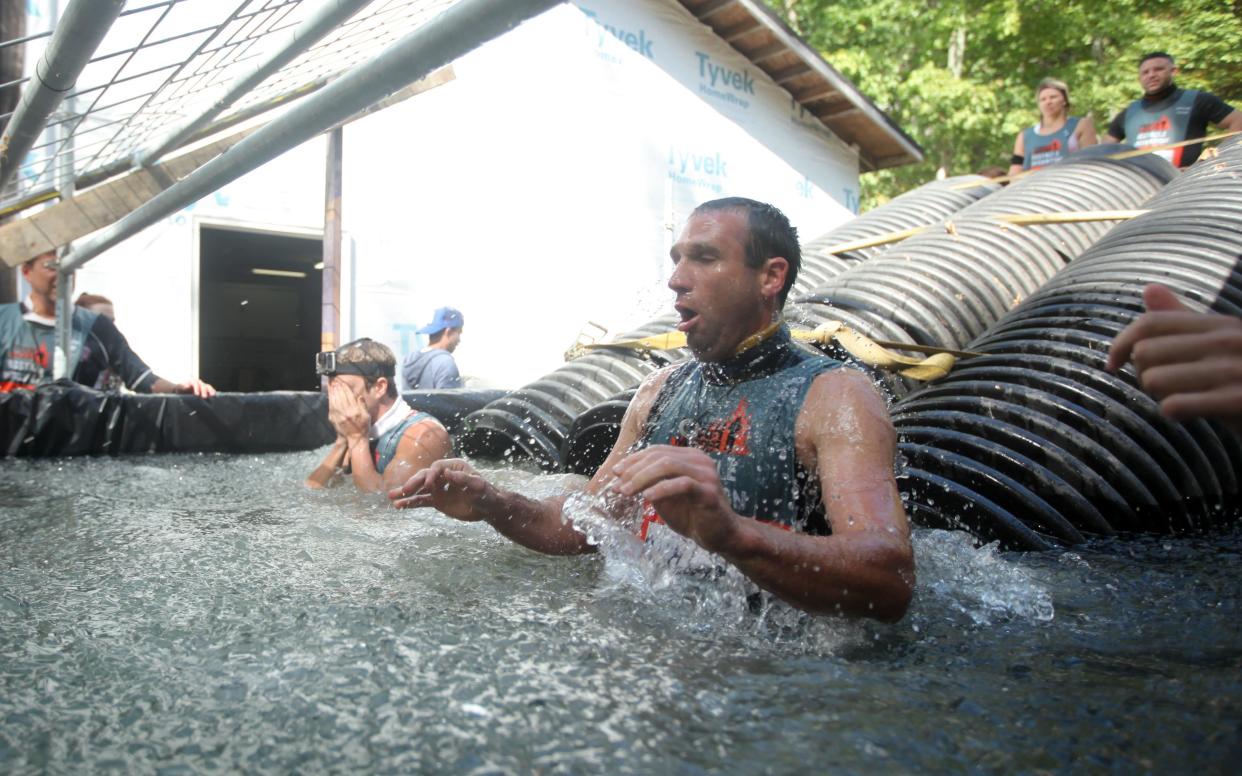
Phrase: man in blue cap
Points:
(434, 366)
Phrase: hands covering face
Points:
(347, 413)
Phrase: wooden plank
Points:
(333, 186)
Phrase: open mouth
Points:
(689, 317)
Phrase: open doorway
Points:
(259, 309)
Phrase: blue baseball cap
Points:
(445, 318)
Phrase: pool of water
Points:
(198, 614)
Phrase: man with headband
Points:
(380, 440)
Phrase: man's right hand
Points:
(451, 486)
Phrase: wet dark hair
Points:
(369, 352)
(771, 235)
(1157, 55)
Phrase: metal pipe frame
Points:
(455, 32)
(78, 34)
(327, 18)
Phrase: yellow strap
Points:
(866, 350)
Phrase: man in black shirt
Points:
(27, 334)
(1167, 114)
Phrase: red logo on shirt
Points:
(730, 435)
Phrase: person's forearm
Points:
(362, 465)
(329, 467)
(160, 385)
(857, 574)
(538, 525)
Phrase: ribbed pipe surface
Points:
(945, 288)
(1040, 410)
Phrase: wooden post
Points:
(12, 63)
(330, 337)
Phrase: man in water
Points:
(1167, 114)
(776, 459)
(27, 340)
(434, 367)
(380, 440)
(1190, 361)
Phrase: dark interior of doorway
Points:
(259, 310)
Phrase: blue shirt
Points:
(431, 369)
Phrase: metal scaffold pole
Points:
(453, 33)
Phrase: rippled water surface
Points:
(191, 614)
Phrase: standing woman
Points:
(1057, 133)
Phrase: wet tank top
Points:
(1161, 124)
(742, 413)
(1043, 150)
(386, 445)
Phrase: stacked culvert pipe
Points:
(944, 287)
(1034, 443)
(928, 204)
(593, 433)
(534, 421)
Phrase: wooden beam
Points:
(741, 30)
(845, 112)
(711, 8)
(820, 91)
(785, 75)
(330, 333)
(767, 51)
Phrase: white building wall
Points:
(538, 191)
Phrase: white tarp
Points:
(538, 191)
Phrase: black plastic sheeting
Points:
(946, 287)
(64, 419)
(1040, 423)
(451, 406)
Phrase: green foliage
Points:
(959, 75)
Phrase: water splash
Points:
(977, 582)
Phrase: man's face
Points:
(41, 274)
(1156, 74)
(357, 385)
(452, 338)
(721, 301)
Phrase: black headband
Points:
(328, 364)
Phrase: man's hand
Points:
(451, 486)
(1191, 362)
(684, 487)
(347, 413)
(199, 388)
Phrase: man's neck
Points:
(1161, 94)
(41, 304)
(381, 409)
(441, 345)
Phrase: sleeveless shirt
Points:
(742, 412)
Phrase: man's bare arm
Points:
(330, 467)
(421, 445)
(457, 490)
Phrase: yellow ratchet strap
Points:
(871, 352)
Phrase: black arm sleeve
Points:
(1211, 107)
(120, 359)
(1118, 126)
